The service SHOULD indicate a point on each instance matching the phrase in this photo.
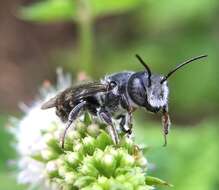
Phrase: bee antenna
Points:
(181, 65)
(146, 68)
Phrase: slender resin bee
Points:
(117, 96)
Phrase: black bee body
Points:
(116, 96)
(113, 100)
(130, 92)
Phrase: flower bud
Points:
(89, 170)
(98, 155)
(48, 154)
(128, 144)
(84, 181)
(89, 145)
(62, 170)
(73, 158)
(127, 160)
(80, 127)
(78, 147)
(108, 164)
(102, 180)
(68, 144)
(73, 134)
(52, 142)
(93, 130)
(111, 151)
(70, 178)
(52, 169)
(142, 162)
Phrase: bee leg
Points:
(107, 118)
(166, 124)
(71, 117)
(124, 120)
(128, 107)
(129, 121)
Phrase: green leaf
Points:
(50, 10)
(156, 181)
(102, 8)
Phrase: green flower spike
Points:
(91, 161)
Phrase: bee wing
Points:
(87, 89)
(50, 103)
(76, 93)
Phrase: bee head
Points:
(156, 92)
(156, 87)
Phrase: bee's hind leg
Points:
(107, 118)
(72, 116)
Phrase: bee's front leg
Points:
(128, 117)
(166, 124)
(123, 123)
(107, 118)
(130, 121)
(72, 116)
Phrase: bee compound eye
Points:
(112, 84)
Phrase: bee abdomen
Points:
(62, 114)
(64, 107)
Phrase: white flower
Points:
(28, 133)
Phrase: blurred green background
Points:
(101, 37)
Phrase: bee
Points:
(117, 96)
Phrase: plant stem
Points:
(85, 35)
